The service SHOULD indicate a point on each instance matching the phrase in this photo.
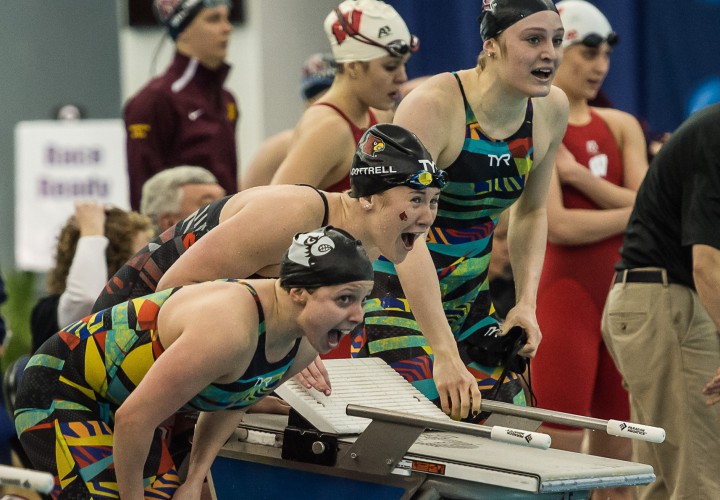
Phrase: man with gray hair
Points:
(175, 193)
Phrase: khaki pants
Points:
(667, 348)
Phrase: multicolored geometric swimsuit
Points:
(140, 275)
(77, 380)
(486, 178)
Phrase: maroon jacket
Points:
(183, 117)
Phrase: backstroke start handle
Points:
(613, 427)
(496, 433)
(636, 431)
(27, 479)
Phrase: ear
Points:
(489, 46)
(352, 69)
(366, 202)
(298, 295)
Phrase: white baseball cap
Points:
(362, 30)
(584, 23)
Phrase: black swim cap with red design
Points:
(388, 156)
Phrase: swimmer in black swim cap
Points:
(495, 129)
(389, 156)
(324, 257)
(498, 15)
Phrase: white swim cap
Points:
(584, 23)
(366, 30)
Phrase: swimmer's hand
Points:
(315, 376)
(270, 404)
(456, 386)
(189, 490)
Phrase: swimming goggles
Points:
(397, 48)
(593, 40)
(425, 178)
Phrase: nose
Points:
(227, 25)
(356, 313)
(602, 64)
(551, 52)
(401, 75)
(427, 216)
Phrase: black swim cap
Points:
(388, 156)
(176, 15)
(324, 257)
(498, 15)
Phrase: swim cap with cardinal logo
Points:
(388, 156)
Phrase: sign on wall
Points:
(56, 164)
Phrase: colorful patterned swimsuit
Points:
(486, 178)
(140, 275)
(77, 380)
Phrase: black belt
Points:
(643, 276)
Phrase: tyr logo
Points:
(495, 159)
(428, 165)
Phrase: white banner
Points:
(56, 164)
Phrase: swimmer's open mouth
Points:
(542, 73)
(409, 239)
(334, 337)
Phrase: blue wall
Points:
(668, 57)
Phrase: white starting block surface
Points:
(371, 382)
(447, 463)
(362, 381)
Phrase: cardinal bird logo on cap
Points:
(373, 145)
(309, 245)
(489, 5)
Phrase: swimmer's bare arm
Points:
(321, 145)
(425, 111)
(266, 160)
(456, 386)
(527, 233)
(208, 335)
(579, 226)
(631, 141)
(252, 239)
(212, 431)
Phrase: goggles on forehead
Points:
(397, 48)
(424, 178)
(593, 40)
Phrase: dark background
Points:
(666, 65)
(140, 13)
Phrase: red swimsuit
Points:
(573, 371)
